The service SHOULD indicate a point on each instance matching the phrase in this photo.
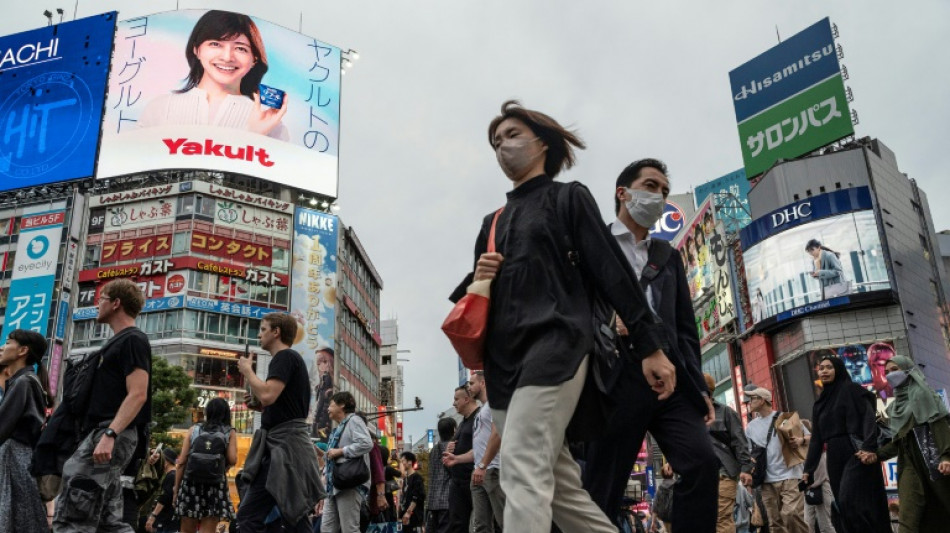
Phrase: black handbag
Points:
(760, 456)
(350, 473)
(814, 496)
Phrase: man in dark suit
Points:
(678, 423)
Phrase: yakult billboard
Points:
(222, 91)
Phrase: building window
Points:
(181, 243)
(90, 258)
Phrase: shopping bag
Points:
(467, 323)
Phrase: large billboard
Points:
(815, 254)
(705, 259)
(864, 362)
(218, 90)
(313, 297)
(34, 270)
(52, 86)
(791, 99)
(731, 199)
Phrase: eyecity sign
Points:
(791, 99)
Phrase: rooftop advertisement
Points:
(222, 91)
(52, 87)
(791, 99)
(731, 198)
(820, 253)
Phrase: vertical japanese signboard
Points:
(791, 99)
(51, 96)
(279, 119)
(313, 295)
(34, 272)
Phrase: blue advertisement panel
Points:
(276, 111)
(814, 255)
(797, 63)
(189, 302)
(313, 299)
(52, 89)
(731, 201)
(34, 272)
(805, 211)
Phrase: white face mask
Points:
(645, 207)
(514, 156)
(896, 378)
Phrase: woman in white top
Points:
(228, 61)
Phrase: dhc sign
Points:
(808, 210)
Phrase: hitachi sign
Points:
(795, 212)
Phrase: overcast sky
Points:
(635, 79)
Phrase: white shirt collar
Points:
(618, 229)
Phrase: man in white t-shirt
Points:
(784, 503)
(488, 500)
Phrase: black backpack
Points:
(207, 456)
(81, 372)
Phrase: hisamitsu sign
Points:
(791, 99)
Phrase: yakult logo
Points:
(211, 148)
(670, 224)
(795, 212)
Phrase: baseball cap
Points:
(765, 394)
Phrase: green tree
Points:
(172, 399)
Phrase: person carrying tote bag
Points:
(349, 445)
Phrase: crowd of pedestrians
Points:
(515, 458)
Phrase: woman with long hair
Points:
(540, 328)
(844, 425)
(921, 424)
(22, 414)
(827, 268)
(201, 503)
(227, 61)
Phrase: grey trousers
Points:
(341, 512)
(822, 512)
(488, 503)
(540, 478)
(91, 500)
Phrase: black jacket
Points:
(671, 301)
(540, 324)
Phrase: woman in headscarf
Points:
(917, 413)
(843, 423)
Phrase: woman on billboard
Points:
(827, 270)
(227, 62)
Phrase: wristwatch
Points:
(109, 432)
(480, 466)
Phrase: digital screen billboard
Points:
(813, 255)
(791, 99)
(865, 363)
(185, 92)
(52, 87)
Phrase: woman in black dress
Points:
(202, 504)
(843, 420)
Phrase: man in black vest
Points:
(677, 423)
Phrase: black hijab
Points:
(844, 406)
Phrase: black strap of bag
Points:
(762, 455)
(660, 252)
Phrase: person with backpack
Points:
(22, 415)
(161, 516)
(201, 481)
(111, 400)
(678, 423)
(540, 329)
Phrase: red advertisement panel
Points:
(230, 248)
(131, 249)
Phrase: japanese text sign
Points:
(34, 272)
(230, 248)
(158, 115)
(131, 249)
